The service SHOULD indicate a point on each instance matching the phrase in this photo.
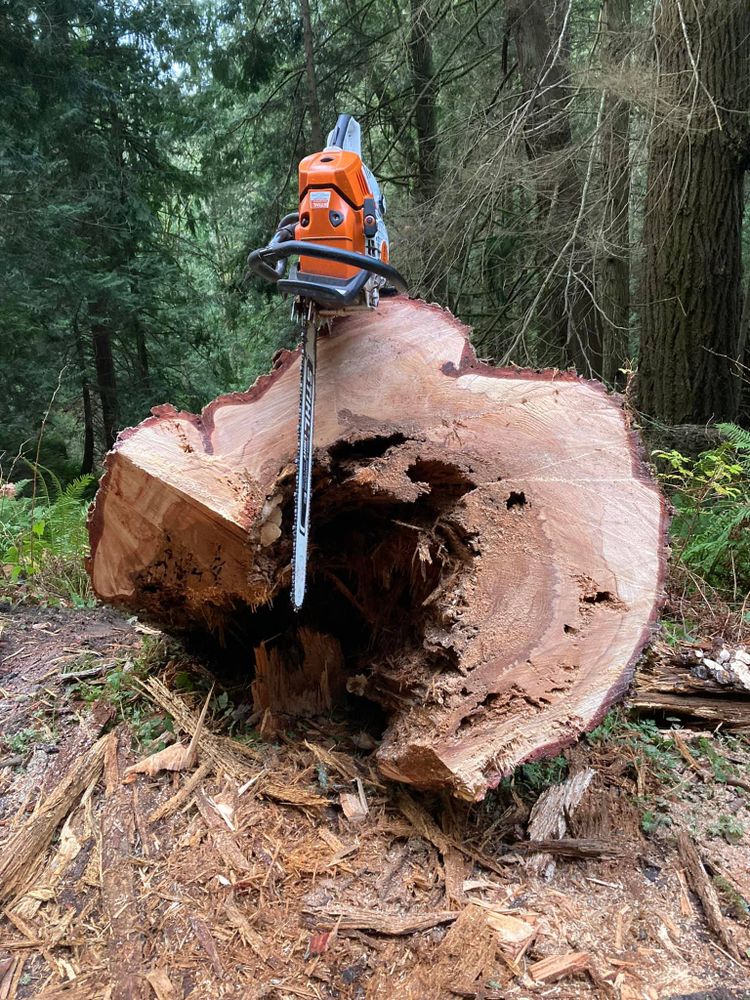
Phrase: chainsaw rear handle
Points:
(270, 263)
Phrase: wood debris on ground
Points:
(244, 876)
(551, 814)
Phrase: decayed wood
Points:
(308, 686)
(550, 814)
(488, 547)
(571, 847)
(701, 885)
(731, 712)
(22, 851)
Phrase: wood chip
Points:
(161, 984)
(513, 934)
(209, 945)
(354, 804)
(294, 795)
(571, 847)
(396, 924)
(549, 970)
(222, 836)
(173, 758)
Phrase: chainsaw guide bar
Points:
(339, 235)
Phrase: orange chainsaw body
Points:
(332, 193)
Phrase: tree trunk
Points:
(425, 100)
(692, 311)
(106, 378)
(568, 331)
(488, 547)
(613, 258)
(87, 460)
(142, 355)
(313, 107)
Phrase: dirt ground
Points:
(285, 867)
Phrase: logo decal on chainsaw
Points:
(320, 199)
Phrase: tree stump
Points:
(488, 547)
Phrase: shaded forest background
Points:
(567, 176)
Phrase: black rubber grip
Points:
(266, 260)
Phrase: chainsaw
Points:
(340, 238)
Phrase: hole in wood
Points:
(600, 597)
(384, 542)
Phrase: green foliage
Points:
(43, 537)
(655, 819)
(644, 741)
(711, 527)
(676, 633)
(733, 901)
(22, 741)
(727, 827)
(534, 778)
(120, 686)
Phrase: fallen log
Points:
(488, 548)
(731, 713)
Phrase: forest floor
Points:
(287, 868)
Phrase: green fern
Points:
(43, 536)
(738, 437)
(711, 527)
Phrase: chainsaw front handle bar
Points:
(270, 263)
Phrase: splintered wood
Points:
(172, 758)
(305, 683)
(549, 970)
(21, 855)
(550, 815)
(701, 885)
(355, 918)
(487, 547)
(119, 898)
(223, 753)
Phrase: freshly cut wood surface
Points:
(488, 547)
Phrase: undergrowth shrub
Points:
(43, 537)
(711, 497)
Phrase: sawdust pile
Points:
(287, 869)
